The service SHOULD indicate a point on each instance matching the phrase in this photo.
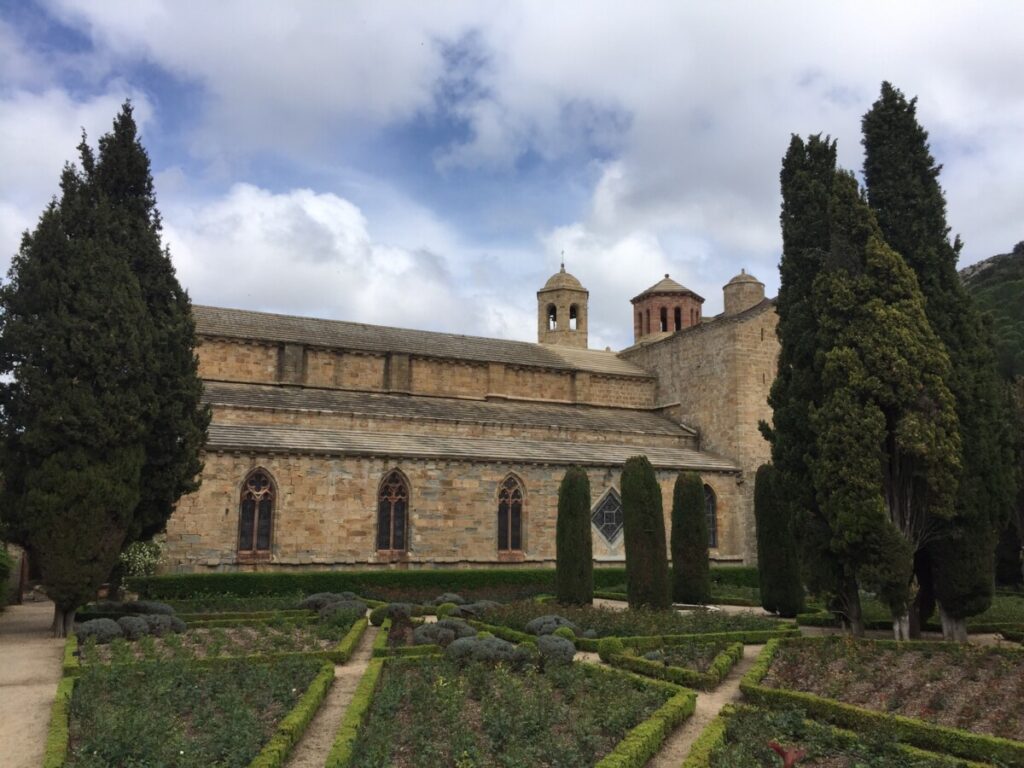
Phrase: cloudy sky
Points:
(423, 164)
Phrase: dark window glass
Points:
(679, 318)
(607, 516)
(256, 514)
(510, 515)
(711, 511)
(392, 506)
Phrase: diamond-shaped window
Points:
(607, 515)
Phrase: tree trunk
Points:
(63, 621)
(901, 625)
(851, 604)
(914, 625)
(953, 630)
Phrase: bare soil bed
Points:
(977, 689)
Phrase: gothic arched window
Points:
(510, 514)
(711, 511)
(392, 512)
(256, 513)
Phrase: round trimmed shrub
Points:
(449, 597)
(608, 647)
(390, 611)
(491, 650)
(657, 655)
(104, 630)
(442, 632)
(555, 651)
(177, 625)
(149, 606)
(589, 634)
(319, 600)
(473, 610)
(343, 606)
(160, 624)
(133, 627)
(566, 633)
(547, 624)
(445, 609)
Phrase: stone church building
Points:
(336, 444)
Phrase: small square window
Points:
(607, 515)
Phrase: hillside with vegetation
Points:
(997, 285)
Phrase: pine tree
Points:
(691, 576)
(176, 429)
(778, 562)
(75, 396)
(885, 397)
(574, 569)
(904, 192)
(647, 582)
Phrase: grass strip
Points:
(340, 755)
(918, 733)
(294, 724)
(58, 735)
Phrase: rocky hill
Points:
(997, 284)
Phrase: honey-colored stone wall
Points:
(237, 361)
(326, 508)
(720, 374)
(450, 378)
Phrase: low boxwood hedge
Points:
(58, 735)
(716, 672)
(288, 733)
(381, 649)
(934, 738)
(340, 755)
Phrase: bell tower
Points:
(562, 311)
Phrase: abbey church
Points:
(336, 444)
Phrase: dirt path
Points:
(709, 704)
(30, 668)
(316, 742)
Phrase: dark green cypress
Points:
(574, 566)
(647, 582)
(904, 192)
(691, 576)
(177, 424)
(74, 336)
(778, 562)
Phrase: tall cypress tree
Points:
(691, 576)
(75, 396)
(574, 557)
(647, 583)
(886, 432)
(176, 427)
(778, 563)
(807, 176)
(904, 192)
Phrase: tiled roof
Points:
(667, 285)
(263, 326)
(706, 325)
(440, 408)
(257, 439)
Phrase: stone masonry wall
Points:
(720, 374)
(326, 508)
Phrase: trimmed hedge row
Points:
(58, 735)
(247, 584)
(291, 728)
(717, 670)
(340, 755)
(339, 654)
(213, 620)
(643, 741)
(381, 650)
(826, 619)
(934, 738)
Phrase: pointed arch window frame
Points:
(511, 514)
(393, 496)
(257, 500)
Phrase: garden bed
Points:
(740, 737)
(695, 664)
(188, 716)
(431, 712)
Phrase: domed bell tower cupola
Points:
(562, 311)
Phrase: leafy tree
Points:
(177, 425)
(904, 192)
(75, 394)
(887, 436)
(574, 569)
(647, 582)
(691, 576)
(778, 561)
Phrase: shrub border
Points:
(275, 752)
(921, 734)
(339, 654)
(381, 650)
(718, 669)
(59, 733)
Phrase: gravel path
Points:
(30, 668)
(316, 742)
(709, 704)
